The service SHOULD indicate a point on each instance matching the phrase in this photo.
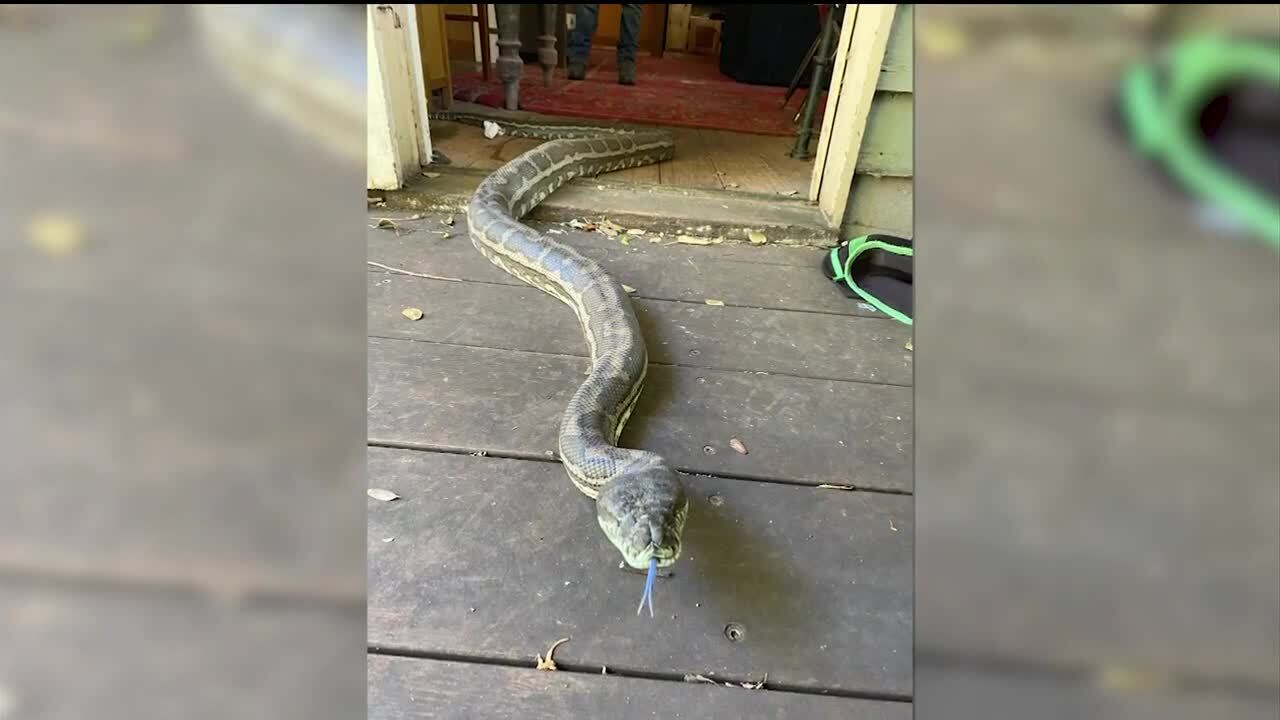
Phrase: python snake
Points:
(641, 505)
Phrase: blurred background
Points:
(182, 372)
(1098, 384)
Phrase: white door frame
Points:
(864, 35)
(399, 139)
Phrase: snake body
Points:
(641, 505)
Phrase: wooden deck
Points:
(713, 159)
(490, 555)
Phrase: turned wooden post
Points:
(510, 66)
(547, 43)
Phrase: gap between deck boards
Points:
(639, 673)
(508, 455)
(687, 366)
(870, 314)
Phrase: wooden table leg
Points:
(510, 66)
(547, 52)
(485, 58)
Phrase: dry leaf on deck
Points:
(691, 240)
(909, 346)
(836, 487)
(698, 679)
(757, 238)
(383, 495)
(56, 234)
(712, 301)
(635, 231)
(412, 313)
(738, 446)
(628, 288)
(549, 663)
(448, 221)
(430, 174)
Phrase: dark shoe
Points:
(627, 74)
(577, 72)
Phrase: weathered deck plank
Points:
(769, 277)
(800, 430)
(499, 558)
(730, 338)
(119, 653)
(407, 689)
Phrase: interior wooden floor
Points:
(709, 159)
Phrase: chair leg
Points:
(485, 59)
(547, 52)
(510, 66)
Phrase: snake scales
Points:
(640, 503)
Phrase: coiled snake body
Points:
(640, 503)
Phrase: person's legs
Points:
(579, 49)
(629, 43)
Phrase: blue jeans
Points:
(585, 28)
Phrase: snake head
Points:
(642, 512)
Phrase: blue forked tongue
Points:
(648, 587)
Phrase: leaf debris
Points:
(757, 238)
(382, 494)
(56, 234)
(549, 663)
(738, 446)
(691, 240)
(909, 347)
(610, 228)
(835, 487)
(713, 301)
(412, 313)
(698, 679)
(628, 288)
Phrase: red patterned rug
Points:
(676, 90)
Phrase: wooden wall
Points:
(881, 194)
